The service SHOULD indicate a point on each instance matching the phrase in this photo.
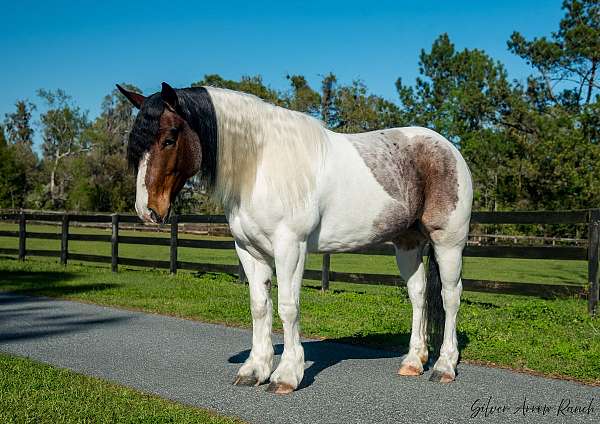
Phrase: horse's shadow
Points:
(326, 353)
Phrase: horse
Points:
(290, 186)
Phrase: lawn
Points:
(554, 337)
(518, 270)
(31, 392)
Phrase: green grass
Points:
(31, 392)
(555, 337)
(517, 270)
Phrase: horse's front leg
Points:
(290, 255)
(259, 364)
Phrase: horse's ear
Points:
(169, 97)
(136, 99)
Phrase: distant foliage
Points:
(13, 178)
(103, 182)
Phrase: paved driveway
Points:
(195, 363)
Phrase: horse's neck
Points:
(237, 145)
(260, 143)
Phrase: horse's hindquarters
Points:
(388, 186)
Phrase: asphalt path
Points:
(195, 363)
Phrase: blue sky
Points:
(86, 47)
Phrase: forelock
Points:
(144, 130)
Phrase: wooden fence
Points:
(590, 253)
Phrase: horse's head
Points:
(164, 150)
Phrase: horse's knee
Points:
(416, 288)
(288, 312)
(451, 296)
(259, 308)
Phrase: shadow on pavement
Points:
(326, 353)
(46, 283)
(24, 317)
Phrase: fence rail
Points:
(590, 253)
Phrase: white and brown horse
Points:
(290, 186)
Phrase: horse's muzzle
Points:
(156, 218)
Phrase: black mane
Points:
(196, 107)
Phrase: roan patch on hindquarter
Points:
(419, 174)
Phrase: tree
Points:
(118, 115)
(302, 97)
(18, 124)
(63, 125)
(569, 59)
(556, 120)
(354, 110)
(343, 108)
(102, 180)
(19, 135)
(457, 92)
(12, 176)
(327, 95)
(247, 84)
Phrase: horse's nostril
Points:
(154, 216)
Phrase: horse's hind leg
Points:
(449, 259)
(259, 364)
(410, 263)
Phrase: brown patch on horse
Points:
(174, 157)
(437, 166)
(419, 173)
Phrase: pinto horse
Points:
(290, 186)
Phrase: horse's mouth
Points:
(156, 218)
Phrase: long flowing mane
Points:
(285, 147)
(243, 138)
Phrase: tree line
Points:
(530, 145)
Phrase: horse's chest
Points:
(250, 234)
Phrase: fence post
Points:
(22, 236)
(174, 230)
(64, 239)
(325, 272)
(114, 243)
(593, 259)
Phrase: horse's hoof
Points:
(249, 380)
(441, 377)
(409, 370)
(280, 388)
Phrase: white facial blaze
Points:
(141, 194)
